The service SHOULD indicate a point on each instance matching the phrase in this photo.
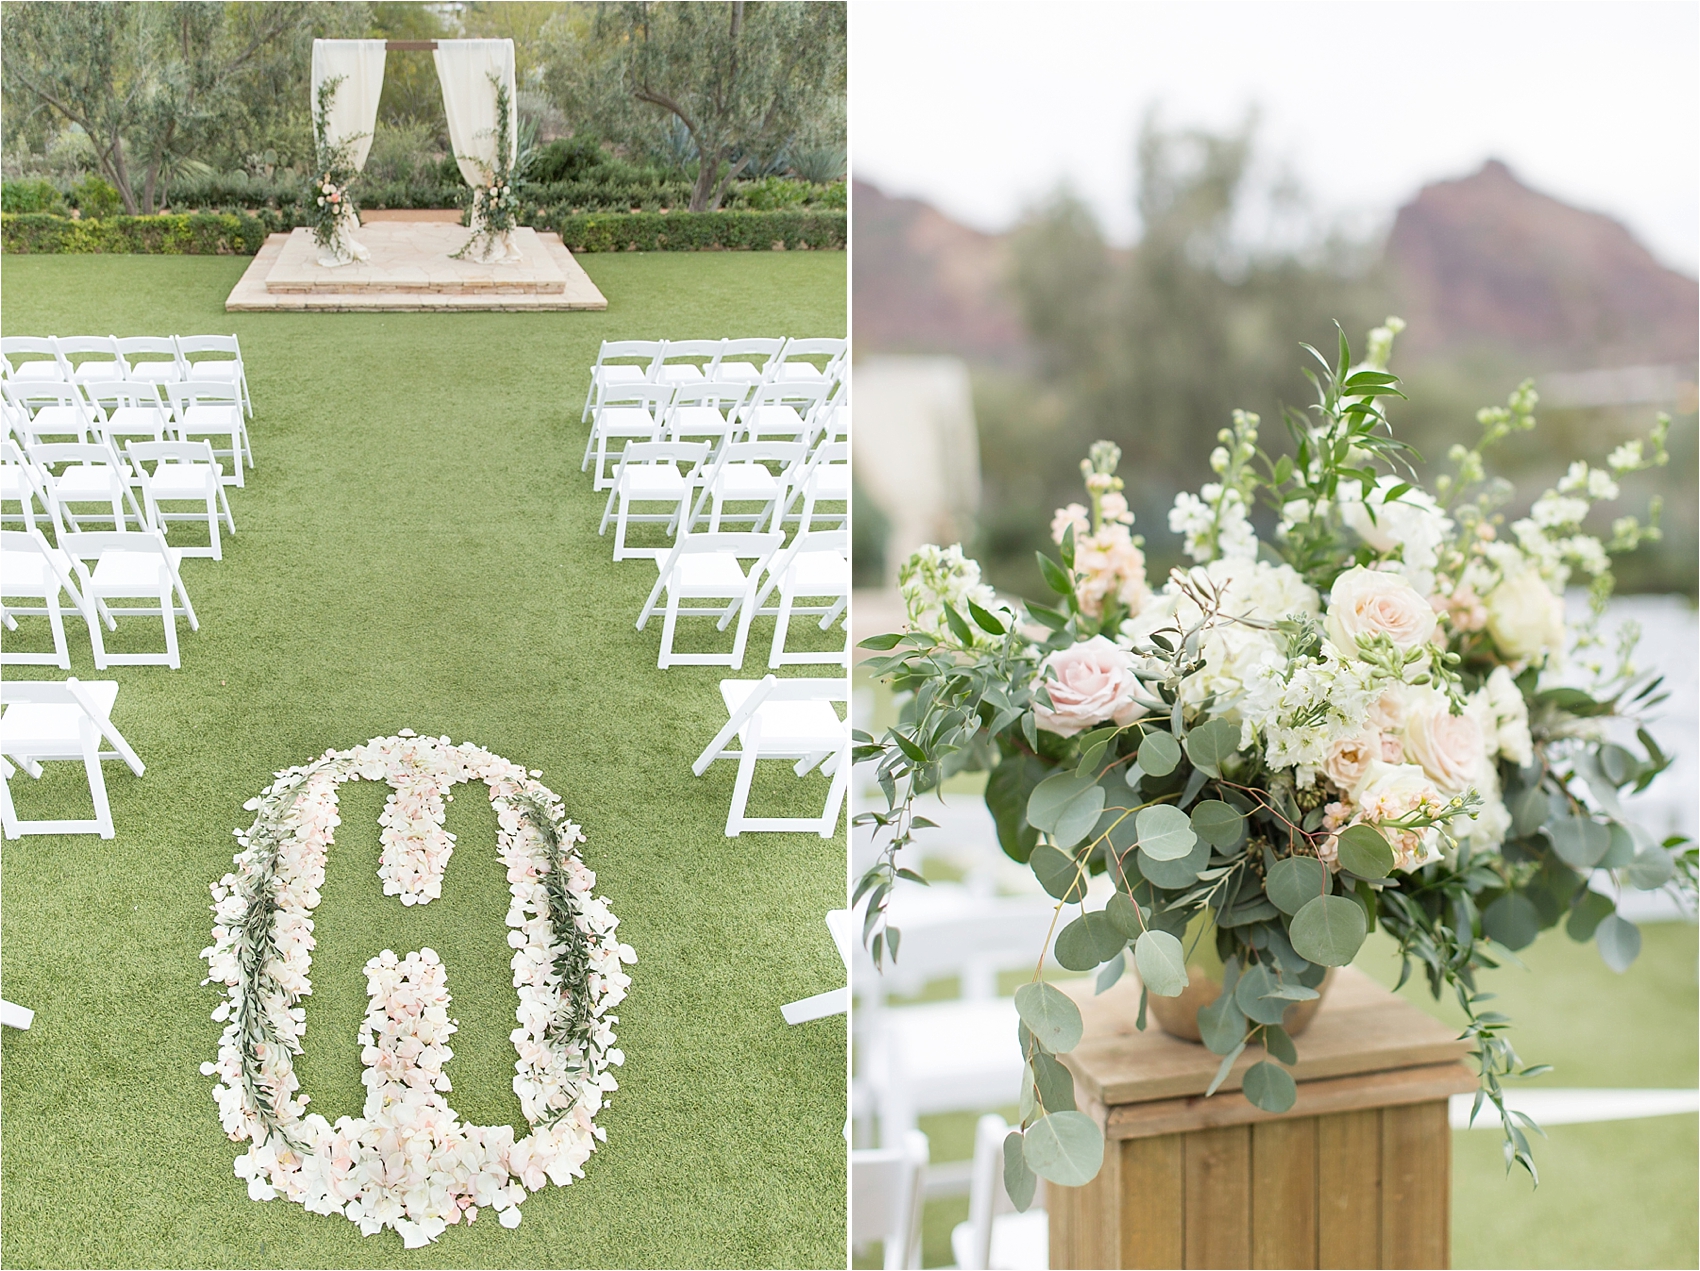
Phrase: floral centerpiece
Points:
(495, 203)
(1292, 742)
(332, 214)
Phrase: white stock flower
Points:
(1410, 530)
(935, 576)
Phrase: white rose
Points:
(1392, 791)
(1088, 683)
(1450, 748)
(1525, 619)
(1367, 602)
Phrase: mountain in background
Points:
(1481, 264)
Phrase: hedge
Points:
(698, 231)
(190, 234)
(225, 234)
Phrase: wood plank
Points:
(1416, 1186)
(1360, 1028)
(1315, 1098)
(1348, 1189)
(1153, 1200)
(1283, 1193)
(1218, 1197)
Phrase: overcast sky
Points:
(982, 107)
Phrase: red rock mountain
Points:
(1486, 261)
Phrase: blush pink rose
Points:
(1368, 602)
(1351, 758)
(1449, 747)
(1089, 683)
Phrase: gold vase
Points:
(1178, 1016)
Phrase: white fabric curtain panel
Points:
(469, 101)
(354, 110)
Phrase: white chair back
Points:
(885, 1199)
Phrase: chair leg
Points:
(744, 619)
(607, 509)
(620, 529)
(95, 642)
(741, 784)
(168, 612)
(97, 779)
(668, 624)
(835, 799)
(212, 527)
(56, 620)
(781, 625)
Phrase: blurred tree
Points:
(155, 85)
(1153, 348)
(744, 80)
(412, 94)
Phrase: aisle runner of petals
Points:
(408, 1162)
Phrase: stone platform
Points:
(411, 269)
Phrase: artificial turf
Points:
(417, 548)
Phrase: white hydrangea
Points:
(936, 576)
(1302, 708)
(1409, 531)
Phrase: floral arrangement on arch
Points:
(1358, 724)
(333, 215)
(408, 1162)
(495, 204)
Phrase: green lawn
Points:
(418, 548)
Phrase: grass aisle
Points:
(418, 548)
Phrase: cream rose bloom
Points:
(1368, 602)
(1391, 791)
(1525, 618)
(1350, 759)
(1089, 683)
(1450, 748)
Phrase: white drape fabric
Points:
(354, 110)
(352, 116)
(469, 101)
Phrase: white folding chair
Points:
(88, 472)
(782, 411)
(735, 367)
(153, 359)
(742, 474)
(708, 567)
(707, 409)
(790, 719)
(31, 358)
(680, 358)
(649, 473)
(793, 367)
(620, 364)
(885, 1199)
(14, 1016)
(91, 357)
(824, 479)
(47, 720)
(995, 1237)
(33, 569)
(815, 566)
(51, 409)
(212, 409)
(833, 1001)
(183, 472)
(226, 367)
(636, 417)
(129, 567)
(130, 410)
(22, 483)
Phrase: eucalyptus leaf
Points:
(1269, 1086)
(1178, 873)
(1019, 1180)
(1280, 1045)
(1221, 1024)
(1066, 1148)
(1051, 1015)
(1224, 1068)
(1619, 941)
(1580, 841)
(1055, 1083)
(1210, 744)
(1165, 833)
(1161, 962)
(1065, 806)
(1110, 973)
(1329, 930)
(1652, 867)
(1590, 910)
(1088, 941)
(1294, 882)
(1249, 996)
(1512, 920)
(1159, 753)
(1528, 808)
(1217, 823)
(1365, 852)
(1057, 873)
(1123, 913)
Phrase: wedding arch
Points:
(477, 78)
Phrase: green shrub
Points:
(569, 159)
(773, 194)
(697, 231)
(94, 196)
(30, 196)
(175, 234)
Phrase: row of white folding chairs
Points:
(152, 359)
(50, 480)
(623, 363)
(814, 568)
(59, 720)
(122, 409)
(687, 481)
(129, 566)
(713, 411)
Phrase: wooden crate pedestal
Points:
(1357, 1174)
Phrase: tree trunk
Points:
(120, 174)
(702, 194)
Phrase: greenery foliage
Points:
(192, 234)
(701, 231)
